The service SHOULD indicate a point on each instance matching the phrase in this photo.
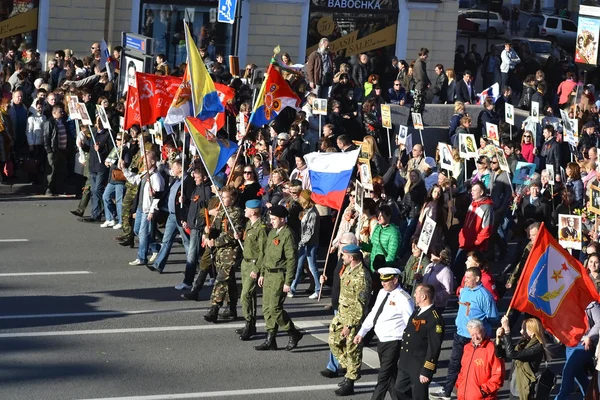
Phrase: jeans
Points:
(144, 236)
(109, 208)
(574, 371)
(458, 348)
(171, 229)
(98, 181)
(407, 230)
(333, 364)
(310, 252)
(193, 256)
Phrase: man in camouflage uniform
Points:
(255, 239)
(355, 291)
(277, 271)
(227, 254)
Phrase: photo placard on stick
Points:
(386, 116)
(509, 114)
(502, 161)
(85, 116)
(365, 175)
(417, 121)
(523, 173)
(359, 196)
(466, 145)
(492, 133)
(426, 234)
(445, 154)
(569, 231)
(551, 173)
(72, 107)
(595, 199)
(320, 107)
(402, 134)
(535, 110)
(103, 117)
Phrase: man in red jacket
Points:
(477, 229)
(481, 373)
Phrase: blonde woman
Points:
(309, 242)
(527, 355)
(451, 85)
(455, 121)
(379, 164)
(344, 69)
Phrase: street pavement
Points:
(77, 322)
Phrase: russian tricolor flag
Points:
(329, 175)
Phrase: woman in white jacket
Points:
(35, 133)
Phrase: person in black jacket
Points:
(98, 150)
(529, 352)
(500, 105)
(422, 82)
(195, 223)
(550, 153)
(538, 96)
(440, 88)
(527, 93)
(488, 115)
(410, 208)
(465, 90)
(56, 143)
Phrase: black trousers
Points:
(458, 348)
(388, 352)
(409, 387)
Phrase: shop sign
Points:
(360, 4)
(353, 45)
(26, 22)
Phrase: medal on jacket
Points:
(418, 322)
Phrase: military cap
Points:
(351, 249)
(279, 211)
(253, 204)
(388, 273)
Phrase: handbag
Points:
(545, 383)
(118, 175)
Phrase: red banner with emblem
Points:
(150, 98)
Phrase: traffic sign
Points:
(227, 11)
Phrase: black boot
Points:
(269, 344)
(230, 314)
(192, 294)
(346, 389)
(127, 242)
(213, 314)
(295, 337)
(248, 330)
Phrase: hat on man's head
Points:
(351, 249)
(388, 273)
(279, 211)
(253, 204)
(589, 124)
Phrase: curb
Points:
(21, 189)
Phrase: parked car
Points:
(480, 17)
(540, 49)
(551, 27)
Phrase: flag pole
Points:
(218, 194)
(328, 252)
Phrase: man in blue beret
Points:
(255, 240)
(355, 291)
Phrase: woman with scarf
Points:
(527, 355)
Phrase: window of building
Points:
(164, 23)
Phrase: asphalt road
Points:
(77, 322)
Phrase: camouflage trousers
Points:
(226, 259)
(273, 297)
(348, 354)
(128, 199)
(418, 102)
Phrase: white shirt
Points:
(149, 203)
(423, 309)
(393, 318)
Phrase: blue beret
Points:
(253, 204)
(351, 249)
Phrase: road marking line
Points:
(99, 313)
(241, 392)
(11, 274)
(133, 330)
(13, 240)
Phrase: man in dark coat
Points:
(465, 91)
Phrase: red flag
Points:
(226, 94)
(555, 288)
(153, 96)
(132, 108)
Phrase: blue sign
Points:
(226, 12)
(135, 43)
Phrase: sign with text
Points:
(28, 21)
(386, 116)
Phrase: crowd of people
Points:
(257, 218)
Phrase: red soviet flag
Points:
(153, 96)
(555, 288)
(226, 94)
(132, 108)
